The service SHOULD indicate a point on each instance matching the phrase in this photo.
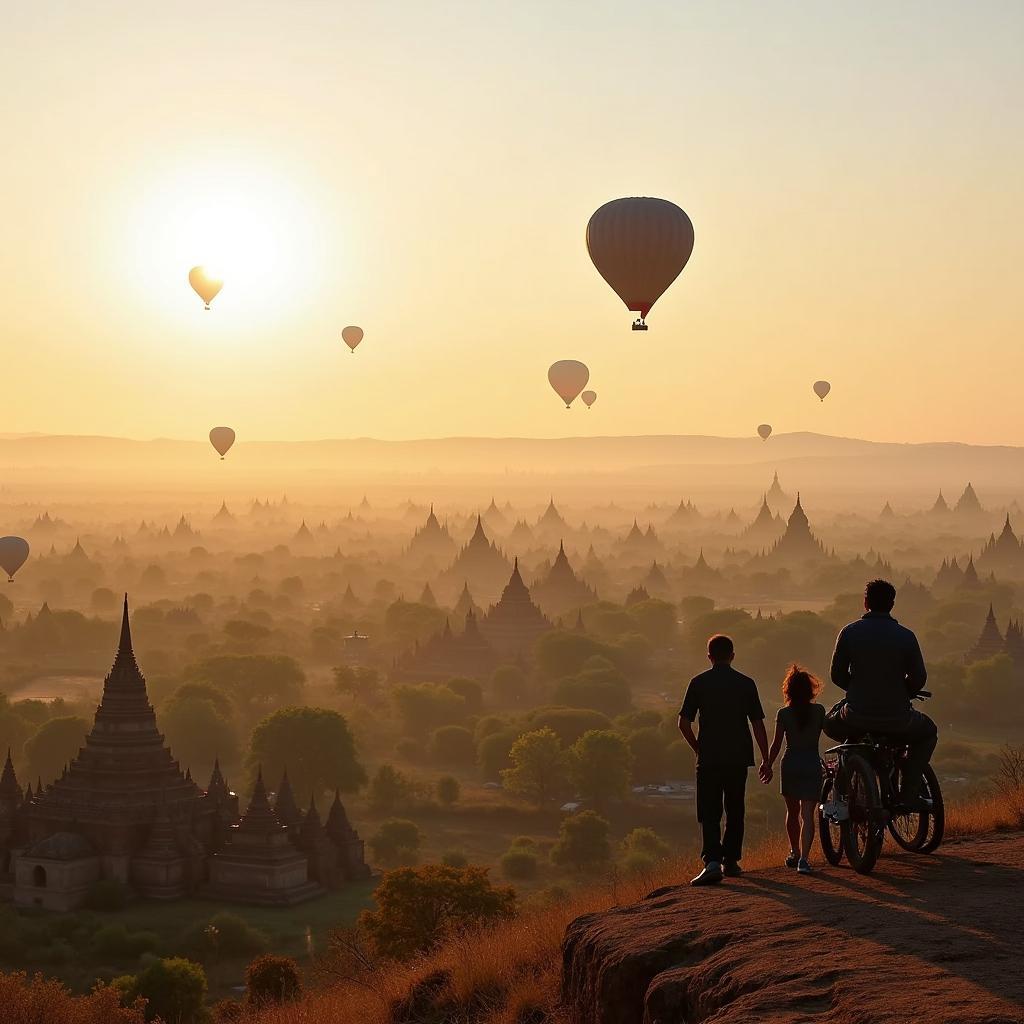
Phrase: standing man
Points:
(724, 701)
(879, 664)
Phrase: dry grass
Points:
(38, 1000)
(510, 973)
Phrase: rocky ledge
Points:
(925, 939)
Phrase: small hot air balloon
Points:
(822, 388)
(222, 438)
(352, 336)
(589, 398)
(639, 247)
(13, 553)
(765, 430)
(568, 377)
(204, 285)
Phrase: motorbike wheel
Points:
(863, 831)
(937, 817)
(829, 832)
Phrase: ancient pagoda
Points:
(561, 589)
(513, 625)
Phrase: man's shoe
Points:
(803, 868)
(732, 869)
(793, 859)
(711, 875)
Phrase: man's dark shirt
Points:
(879, 664)
(723, 699)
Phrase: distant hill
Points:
(680, 463)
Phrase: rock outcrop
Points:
(926, 939)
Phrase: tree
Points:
(648, 747)
(569, 724)
(197, 733)
(560, 653)
(257, 683)
(470, 691)
(39, 999)
(397, 841)
(645, 841)
(448, 790)
(314, 744)
(271, 979)
(509, 685)
(357, 681)
(694, 607)
(53, 746)
(418, 907)
(452, 745)
(409, 621)
(655, 620)
(519, 864)
(426, 706)
(174, 990)
(582, 841)
(539, 767)
(599, 686)
(492, 752)
(389, 789)
(601, 766)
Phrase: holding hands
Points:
(765, 773)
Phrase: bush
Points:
(397, 841)
(272, 979)
(174, 990)
(647, 842)
(448, 790)
(418, 907)
(582, 842)
(452, 744)
(638, 863)
(519, 864)
(454, 859)
(390, 789)
(106, 894)
(509, 685)
(226, 934)
(226, 1011)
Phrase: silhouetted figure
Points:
(722, 700)
(879, 664)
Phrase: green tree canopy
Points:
(582, 842)
(174, 990)
(397, 841)
(425, 706)
(418, 907)
(257, 683)
(314, 744)
(540, 767)
(601, 766)
(55, 744)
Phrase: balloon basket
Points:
(639, 325)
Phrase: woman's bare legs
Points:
(808, 814)
(793, 821)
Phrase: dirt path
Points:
(925, 939)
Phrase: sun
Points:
(246, 223)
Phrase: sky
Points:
(427, 171)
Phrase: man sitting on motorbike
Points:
(879, 664)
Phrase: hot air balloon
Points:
(222, 438)
(822, 388)
(204, 285)
(639, 247)
(765, 430)
(352, 336)
(13, 553)
(589, 398)
(568, 377)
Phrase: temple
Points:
(479, 563)
(123, 810)
(561, 589)
(797, 546)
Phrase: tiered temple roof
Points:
(561, 589)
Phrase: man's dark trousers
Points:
(718, 784)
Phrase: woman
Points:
(799, 724)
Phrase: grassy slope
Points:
(501, 974)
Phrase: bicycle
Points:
(858, 805)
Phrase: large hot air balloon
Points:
(822, 388)
(204, 285)
(765, 430)
(639, 247)
(568, 377)
(222, 438)
(13, 553)
(352, 336)
(589, 398)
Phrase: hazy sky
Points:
(427, 170)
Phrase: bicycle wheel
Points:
(829, 831)
(864, 829)
(937, 816)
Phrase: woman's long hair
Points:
(799, 689)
